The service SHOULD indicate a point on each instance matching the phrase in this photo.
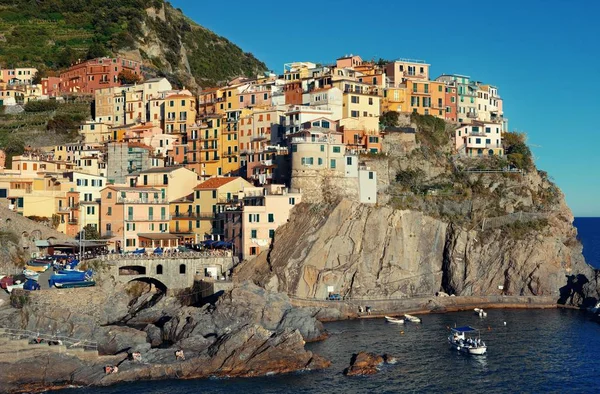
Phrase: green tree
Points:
(96, 50)
(518, 153)
(389, 119)
(90, 233)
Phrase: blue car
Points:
(334, 297)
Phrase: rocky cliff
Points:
(248, 332)
(443, 224)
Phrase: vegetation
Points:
(126, 77)
(516, 150)
(53, 34)
(520, 229)
(432, 130)
(41, 106)
(389, 119)
(91, 233)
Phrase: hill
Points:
(52, 34)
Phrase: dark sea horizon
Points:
(532, 351)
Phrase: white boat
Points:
(29, 274)
(459, 341)
(412, 319)
(17, 285)
(480, 312)
(394, 320)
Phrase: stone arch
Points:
(157, 283)
(132, 270)
(159, 269)
(51, 239)
(8, 221)
(25, 235)
(182, 269)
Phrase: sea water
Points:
(534, 351)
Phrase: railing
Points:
(167, 254)
(193, 215)
(259, 137)
(149, 218)
(67, 341)
(73, 221)
(121, 200)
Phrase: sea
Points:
(529, 351)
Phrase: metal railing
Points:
(121, 200)
(69, 342)
(149, 255)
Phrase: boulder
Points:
(364, 363)
(154, 335)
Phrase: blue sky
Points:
(544, 56)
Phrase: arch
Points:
(51, 239)
(182, 269)
(25, 234)
(159, 269)
(157, 283)
(35, 235)
(491, 152)
(132, 270)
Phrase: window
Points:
(488, 141)
(439, 88)
(254, 218)
(336, 149)
(488, 129)
(320, 161)
(426, 88)
(214, 194)
(182, 269)
(332, 163)
(415, 88)
(271, 233)
(253, 234)
(478, 140)
(370, 174)
(354, 114)
(292, 201)
(159, 269)
(349, 161)
(370, 100)
(354, 99)
(325, 124)
(322, 148)
(294, 148)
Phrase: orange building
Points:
(89, 75)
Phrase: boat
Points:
(394, 320)
(37, 268)
(412, 319)
(31, 285)
(17, 285)
(29, 274)
(459, 341)
(595, 308)
(72, 285)
(480, 312)
(69, 276)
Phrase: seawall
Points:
(349, 309)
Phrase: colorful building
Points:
(479, 139)
(90, 75)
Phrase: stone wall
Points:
(324, 185)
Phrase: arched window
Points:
(491, 152)
(182, 268)
(159, 269)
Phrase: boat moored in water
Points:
(480, 312)
(394, 320)
(471, 345)
(412, 319)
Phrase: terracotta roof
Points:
(215, 183)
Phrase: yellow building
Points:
(229, 144)
(212, 197)
(183, 218)
(426, 97)
(395, 99)
(179, 112)
(360, 101)
(94, 132)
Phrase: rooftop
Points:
(215, 183)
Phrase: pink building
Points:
(349, 61)
(51, 86)
(135, 217)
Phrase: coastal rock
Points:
(412, 254)
(364, 363)
(154, 335)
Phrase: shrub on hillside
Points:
(41, 106)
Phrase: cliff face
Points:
(380, 252)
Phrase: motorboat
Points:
(32, 285)
(471, 344)
(394, 320)
(412, 319)
(69, 276)
(480, 312)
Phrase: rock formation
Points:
(365, 363)
(248, 332)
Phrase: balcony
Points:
(121, 200)
(260, 137)
(214, 158)
(73, 221)
(206, 148)
(192, 215)
(149, 218)
(472, 115)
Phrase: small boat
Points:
(480, 312)
(72, 285)
(412, 319)
(29, 274)
(37, 268)
(460, 342)
(31, 285)
(394, 320)
(17, 285)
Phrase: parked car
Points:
(334, 297)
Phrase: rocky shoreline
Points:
(248, 332)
